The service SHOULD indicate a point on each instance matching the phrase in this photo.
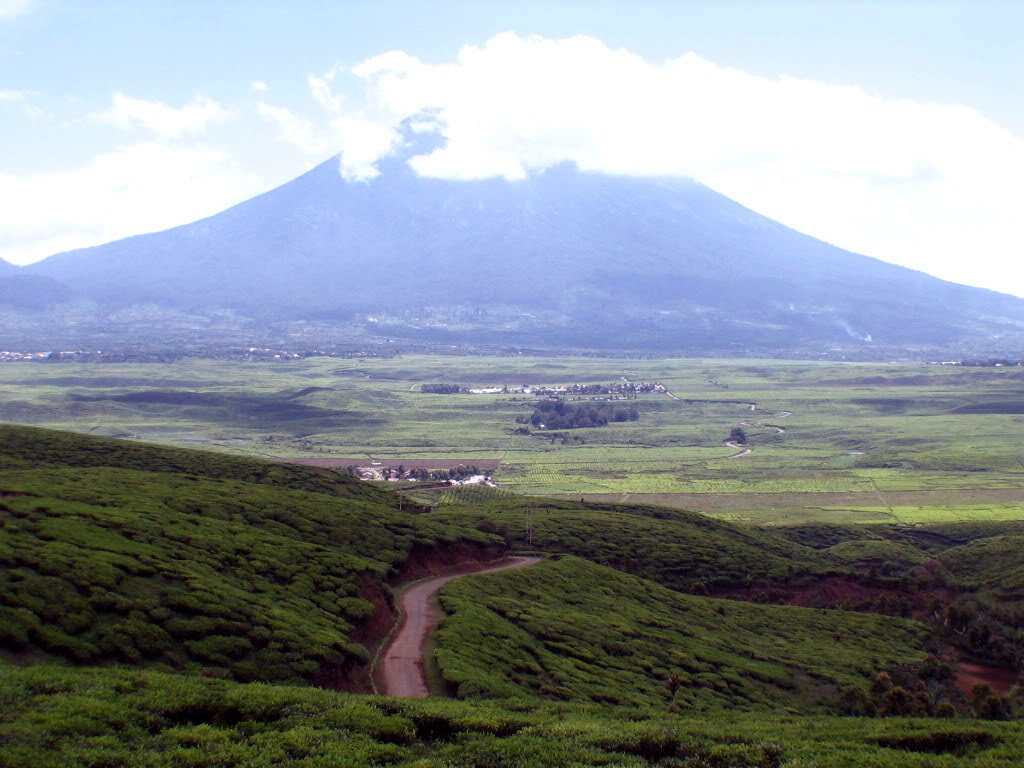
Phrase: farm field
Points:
(825, 441)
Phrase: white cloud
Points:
(299, 132)
(11, 8)
(258, 86)
(162, 120)
(24, 102)
(362, 134)
(932, 186)
(138, 188)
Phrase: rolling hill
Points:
(684, 551)
(118, 552)
(560, 258)
(169, 607)
(573, 630)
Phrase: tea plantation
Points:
(168, 607)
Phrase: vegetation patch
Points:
(574, 631)
(951, 742)
(59, 717)
(559, 414)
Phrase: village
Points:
(623, 390)
(460, 475)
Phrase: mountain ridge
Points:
(562, 257)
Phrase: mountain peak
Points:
(563, 257)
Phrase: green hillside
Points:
(876, 551)
(194, 561)
(995, 563)
(573, 630)
(168, 607)
(33, 448)
(63, 718)
(681, 550)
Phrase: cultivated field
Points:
(827, 442)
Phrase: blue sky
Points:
(893, 129)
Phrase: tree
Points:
(899, 702)
(854, 701)
(738, 436)
(881, 685)
(989, 706)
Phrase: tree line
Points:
(441, 389)
(558, 414)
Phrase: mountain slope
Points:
(560, 257)
(31, 292)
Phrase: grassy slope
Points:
(995, 563)
(574, 630)
(31, 448)
(876, 551)
(62, 718)
(115, 551)
(681, 550)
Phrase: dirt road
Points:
(743, 450)
(400, 666)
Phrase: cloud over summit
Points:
(927, 185)
(931, 186)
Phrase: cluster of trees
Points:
(927, 690)
(441, 389)
(558, 414)
(983, 627)
(738, 435)
(455, 473)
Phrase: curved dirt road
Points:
(743, 450)
(746, 450)
(401, 663)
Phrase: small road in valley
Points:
(743, 448)
(401, 663)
